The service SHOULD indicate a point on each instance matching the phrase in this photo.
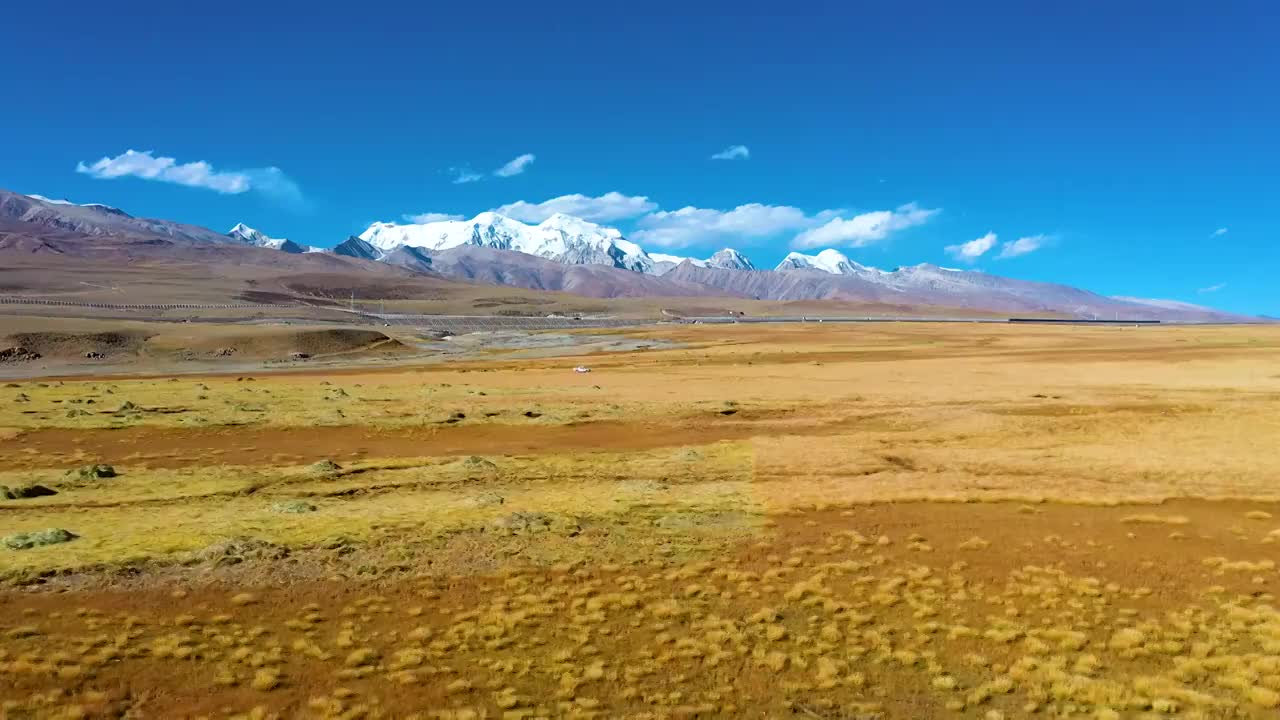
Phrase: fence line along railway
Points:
(479, 323)
(146, 306)
(728, 319)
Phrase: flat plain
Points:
(815, 521)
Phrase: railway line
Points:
(483, 323)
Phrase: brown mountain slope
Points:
(96, 220)
(53, 262)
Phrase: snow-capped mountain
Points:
(728, 259)
(914, 283)
(831, 261)
(51, 201)
(246, 235)
(249, 236)
(664, 263)
(562, 238)
(96, 206)
(568, 254)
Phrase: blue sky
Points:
(1134, 144)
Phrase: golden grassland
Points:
(246, 400)
(834, 522)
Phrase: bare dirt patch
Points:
(181, 447)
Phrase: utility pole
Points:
(353, 301)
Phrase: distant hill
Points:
(562, 253)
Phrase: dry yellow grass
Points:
(949, 521)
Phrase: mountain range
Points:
(244, 234)
(570, 254)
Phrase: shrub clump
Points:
(265, 679)
(93, 472)
(325, 467)
(488, 499)
(236, 550)
(293, 506)
(537, 522)
(476, 467)
(38, 538)
(475, 462)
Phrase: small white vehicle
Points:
(582, 369)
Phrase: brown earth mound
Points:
(71, 345)
(337, 340)
(277, 343)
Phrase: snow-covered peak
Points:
(489, 229)
(575, 241)
(676, 259)
(244, 232)
(95, 206)
(378, 230)
(51, 201)
(730, 259)
(578, 226)
(794, 261)
(833, 261)
(726, 259)
(830, 261)
(562, 238)
(664, 263)
(250, 236)
(496, 219)
(246, 235)
(930, 269)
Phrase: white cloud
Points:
(690, 224)
(606, 208)
(1212, 288)
(164, 169)
(974, 249)
(516, 166)
(465, 175)
(430, 217)
(273, 183)
(269, 181)
(733, 152)
(1219, 231)
(1021, 246)
(864, 229)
